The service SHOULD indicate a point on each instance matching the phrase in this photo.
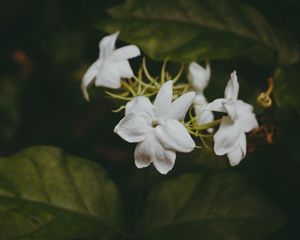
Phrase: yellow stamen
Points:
(264, 98)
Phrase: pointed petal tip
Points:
(115, 34)
(233, 76)
(235, 157)
(163, 98)
(163, 171)
(232, 88)
(233, 164)
(85, 92)
(109, 39)
(116, 129)
(138, 51)
(141, 163)
(167, 83)
(208, 70)
(161, 168)
(195, 66)
(198, 76)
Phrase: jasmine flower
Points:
(157, 128)
(230, 138)
(111, 66)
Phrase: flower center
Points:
(155, 123)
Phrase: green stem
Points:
(212, 124)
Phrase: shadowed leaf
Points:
(210, 205)
(286, 90)
(47, 194)
(198, 30)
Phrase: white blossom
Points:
(199, 78)
(111, 66)
(230, 138)
(157, 128)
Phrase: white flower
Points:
(111, 66)
(157, 128)
(230, 138)
(199, 78)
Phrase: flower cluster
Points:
(162, 127)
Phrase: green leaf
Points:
(198, 30)
(208, 205)
(47, 194)
(286, 90)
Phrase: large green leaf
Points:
(210, 206)
(198, 30)
(47, 194)
(286, 90)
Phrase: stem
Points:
(163, 71)
(117, 96)
(175, 79)
(212, 124)
(150, 78)
(129, 88)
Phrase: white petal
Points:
(107, 46)
(217, 105)
(163, 98)
(108, 76)
(239, 152)
(208, 71)
(231, 109)
(124, 69)
(248, 122)
(133, 127)
(125, 53)
(88, 78)
(180, 106)
(138, 105)
(232, 88)
(200, 99)
(205, 117)
(164, 161)
(244, 107)
(199, 76)
(144, 153)
(227, 136)
(200, 104)
(174, 136)
(150, 150)
(246, 116)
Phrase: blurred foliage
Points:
(287, 87)
(198, 30)
(46, 194)
(45, 48)
(213, 205)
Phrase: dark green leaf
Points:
(286, 90)
(209, 205)
(47, 194)
(198, 30)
